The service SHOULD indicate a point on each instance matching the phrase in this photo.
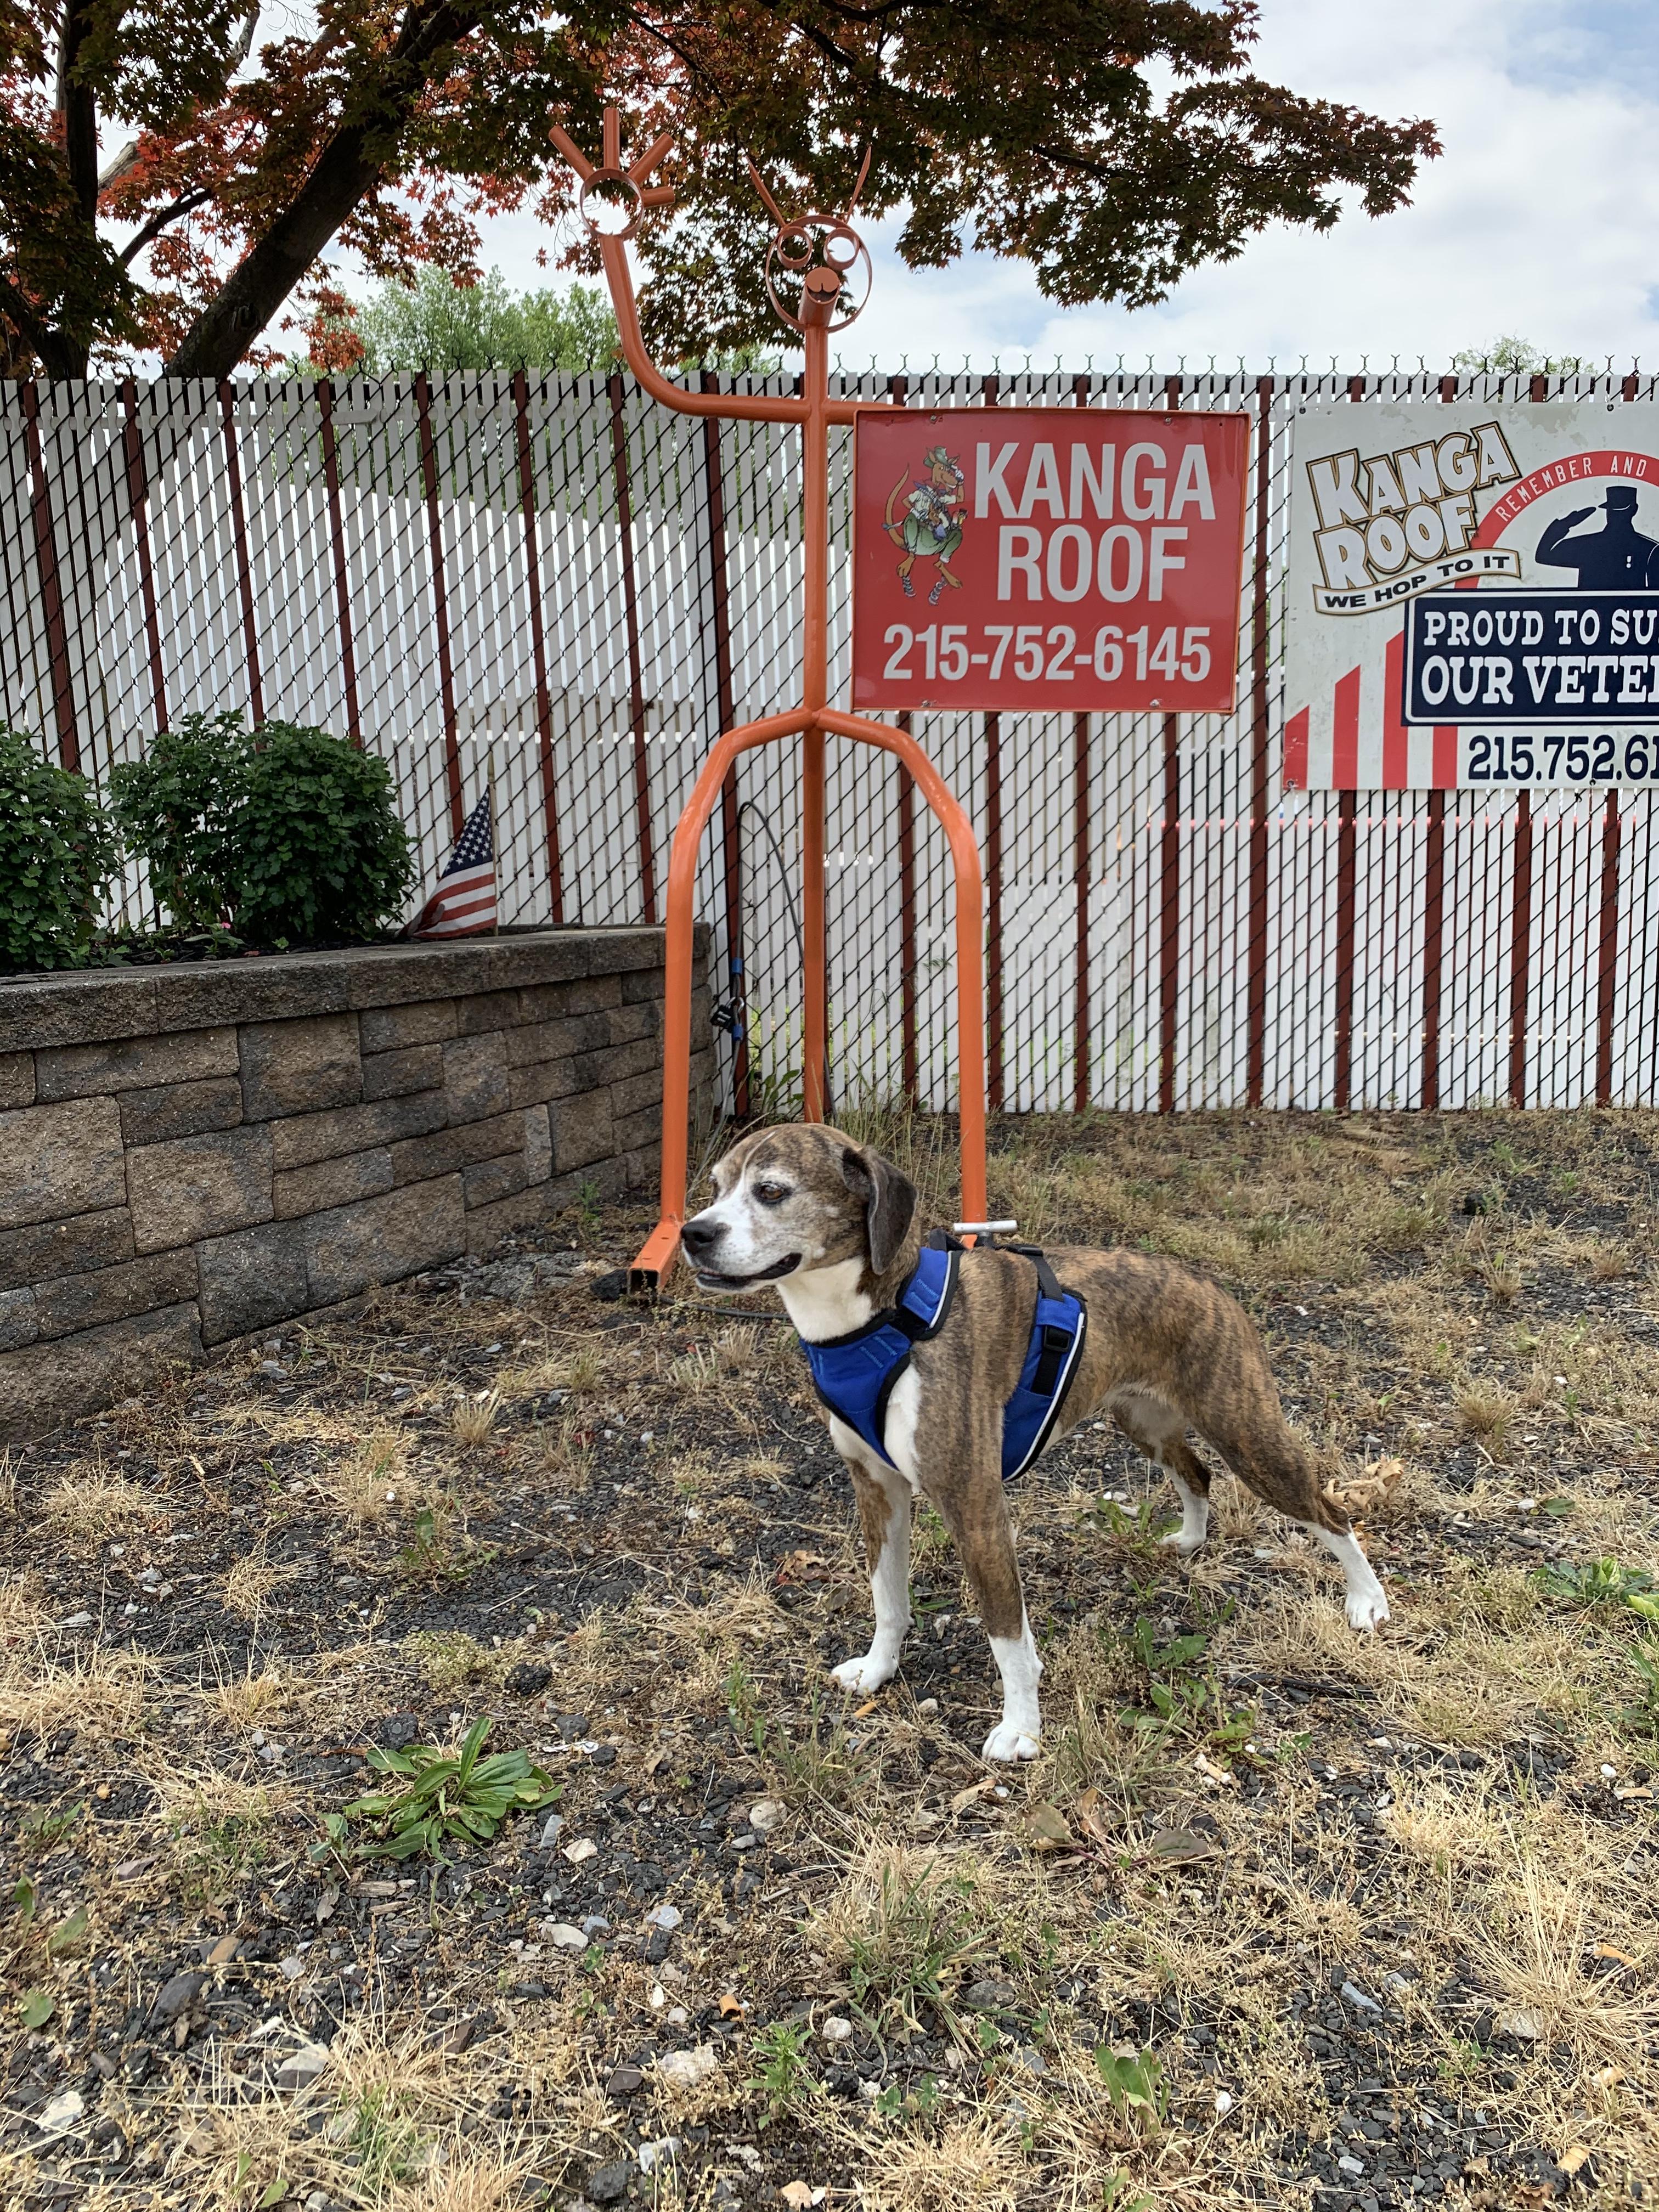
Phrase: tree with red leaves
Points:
(1113, 144)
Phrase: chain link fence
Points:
(556, 577)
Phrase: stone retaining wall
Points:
(189, 1154)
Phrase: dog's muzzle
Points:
(702, 1240)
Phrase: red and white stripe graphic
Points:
(1356, 741)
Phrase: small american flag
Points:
(463, 904)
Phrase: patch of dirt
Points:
(1354, 1925)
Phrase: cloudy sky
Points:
(1539, 220)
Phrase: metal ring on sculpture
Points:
(794, 251)
(612, 178)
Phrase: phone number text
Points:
(945, 653)
(1565, 756)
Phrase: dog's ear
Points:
(890, 1200)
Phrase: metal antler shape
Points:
(825, 256)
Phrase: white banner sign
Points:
(1473, 596)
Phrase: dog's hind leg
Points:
(883, 1504)
(1162, 1435)
(1258, 1444)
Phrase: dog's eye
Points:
(771, 1193)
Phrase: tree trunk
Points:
(347, 169)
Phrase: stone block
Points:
(487, 1010)
(199, 1186)
(447, 1150)
(486, 1225)
(395, 1074)
(635, 1130)
(64, 1248)
(251, 1279)
(388, 1028)
(60, 1159)
(180, 1110)
(16, 1079)
(590, 994)
(493, 1178)
(299, 1067)
(549, 1078)
(77, 1009)
(308, 1137)
(640, 1019)
(19, 1323)
(642, 1170)
(86, 1071)
(380, 1240)
(474, 1079)
(643, 984)
(331, 1182)
(137, 1286)
(46, 1384)
(538, 1144)
(557, 954)
(580, 1130)
(556, 1039)
(281, 988)
(636, 1091)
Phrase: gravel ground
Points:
(1280, 1917)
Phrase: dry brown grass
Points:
(93, 1691)
(374, 1478)
(89, 1507)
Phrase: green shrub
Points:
(315, 848)
(292, 832)
(58, 853)
(175, 805)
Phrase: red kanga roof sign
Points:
(1031, 559)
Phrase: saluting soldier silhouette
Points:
(1615, 557)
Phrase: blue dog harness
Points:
(855, 1375)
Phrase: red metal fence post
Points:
(51, 596)
(532, 574)
(256, 697)
(1169, 933)
(1347, 813)
(342, 578)
(635, 676)
(1434, 912)
(139, 504)
(440, 602)
(726, 708)
(1255, 989)
(994, 1063)
(1608, 952)
(1082, 1044)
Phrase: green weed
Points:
(460, 1798)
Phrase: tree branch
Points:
(349, 166)
(184, 204)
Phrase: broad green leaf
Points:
(38, 2007)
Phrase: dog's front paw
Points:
(868, 1673)
(1182, 1544)
(1366, 1609)
(1008, 1743)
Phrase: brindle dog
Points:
(833, 1225)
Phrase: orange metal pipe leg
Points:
(656, 1255)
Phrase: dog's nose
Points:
(700, 1237)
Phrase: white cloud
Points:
(1538, 219)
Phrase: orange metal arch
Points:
(657, 1255)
